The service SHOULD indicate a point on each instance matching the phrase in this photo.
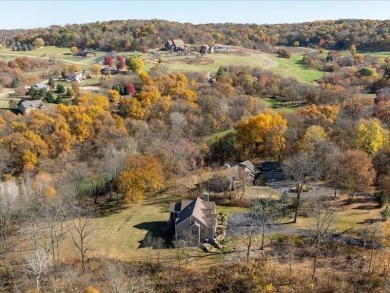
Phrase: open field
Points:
(219, 60)
(47, 52)
(295, 68)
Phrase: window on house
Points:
(194, 232)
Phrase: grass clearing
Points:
(295, 68)
(381, 54)
(219, 60)
(63, 54)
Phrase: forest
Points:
(133, 35)
(150, 137)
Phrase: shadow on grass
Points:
(367, 207)
(109, 208)
(155, 229)
(371, 221)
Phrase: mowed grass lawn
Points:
(56, 52)
(219, 60)
(295, 68)
(119, 233)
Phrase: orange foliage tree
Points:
(142, 173)
(262, 133)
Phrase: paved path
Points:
(271, 63)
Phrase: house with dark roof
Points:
(270, 172)
(193, 221)
(25, 106)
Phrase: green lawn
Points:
(383, 54)
(54, 52)
(295, 68)
(219, 60)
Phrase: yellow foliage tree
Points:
(314, 133)
(113, 96)
(95, 69)
(370, 135)
(142, 173)
(135, 64)
(261, 133)
(134, 109)
(73, 68)
(29, 160)
(73, 50)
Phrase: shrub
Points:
(385, 213)
(382, 198)
(60, 88)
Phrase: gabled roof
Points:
(178, 43)
(40, 86)
(248, 164)
(202, 211)
(31, 104)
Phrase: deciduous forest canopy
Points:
(105, 141)
(133, 34)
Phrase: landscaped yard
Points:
(119, 232)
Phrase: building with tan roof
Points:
(194, 221)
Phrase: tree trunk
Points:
(335, 193)
(249, 246)
(299, 189)
(262, 236)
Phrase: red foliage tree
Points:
(121, 64)
(108, 60)
(129, 89)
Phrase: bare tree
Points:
(266, 210)
(302, 167)
(37, 264)
(323, 218)
(83, 229)
(245, 226)
(116, 277)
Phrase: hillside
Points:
(125, 35)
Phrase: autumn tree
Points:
(73, 68)
(38, 42)
(135, 63)
(142, 173)
(73, 50)
(263, 133)
(358, 173)
(121, 62)
(113, 96)
(370, 135)
(108, 60)
(132, 108)
(95, 69)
